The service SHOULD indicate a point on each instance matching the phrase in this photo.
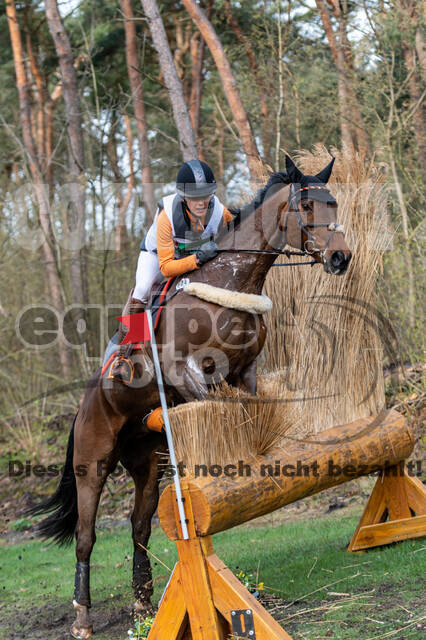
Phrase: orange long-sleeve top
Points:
(169, 265)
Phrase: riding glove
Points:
(208, 251)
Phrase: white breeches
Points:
(147, 273)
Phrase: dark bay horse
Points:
(199, 342)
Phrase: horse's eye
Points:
(306, 206)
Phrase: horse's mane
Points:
(276, 181)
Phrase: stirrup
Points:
(128, 370)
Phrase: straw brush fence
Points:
(324, 330)
(322, 361)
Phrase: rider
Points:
(179, 240)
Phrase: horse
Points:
(199, 342)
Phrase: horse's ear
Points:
(293, 172)
(325, 174)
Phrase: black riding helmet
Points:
(195, 179)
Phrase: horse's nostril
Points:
(338, 259)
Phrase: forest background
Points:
(101, 102)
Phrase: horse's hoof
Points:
(81, 633)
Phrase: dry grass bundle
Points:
(323, 330)
(231, 425)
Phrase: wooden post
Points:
(400, 499)
(203, 599)
(302, 468)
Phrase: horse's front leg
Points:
(146, 474)
(247, 378)
(190, 380)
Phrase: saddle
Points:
(158, 296)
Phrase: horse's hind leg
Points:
(90, 483)
(89, 488)
(146, 474)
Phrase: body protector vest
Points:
(185, 239)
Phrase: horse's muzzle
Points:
(338, 263)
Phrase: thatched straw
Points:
(231, 425)
(321, 330)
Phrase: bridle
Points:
(293, 199)
(304, 227)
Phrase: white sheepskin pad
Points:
(249, 302)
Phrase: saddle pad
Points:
(249, 302)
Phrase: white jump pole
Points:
(167, 426)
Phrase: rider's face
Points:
(198, 206)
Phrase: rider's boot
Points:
(122, 367)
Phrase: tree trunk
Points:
(197, 54)
(421, 51)
(359, 132)
(122, 203)
(111, 150)
(40, 97)
(183, 41)
(48, 246)
(220, 134)
(416, 105)
(121, 226)
(352, 127)
(76, 208)
(280, 90)
(408, 258)
(339, 61)
(260, 81)
(414, 46)
(136, 87)
(173, 84)
(52, 101)
(197, 49)
(229, 85)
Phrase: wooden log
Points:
(302, 468)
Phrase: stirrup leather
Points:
(125, 376)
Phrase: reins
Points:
(277, 253)
(286, 252)
(333, 227)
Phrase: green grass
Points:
(304, 564)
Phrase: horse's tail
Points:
(62, 506)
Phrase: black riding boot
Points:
(122, 367)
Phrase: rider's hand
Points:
(205, 253)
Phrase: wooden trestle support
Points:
(395, 511)
(204, 600)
